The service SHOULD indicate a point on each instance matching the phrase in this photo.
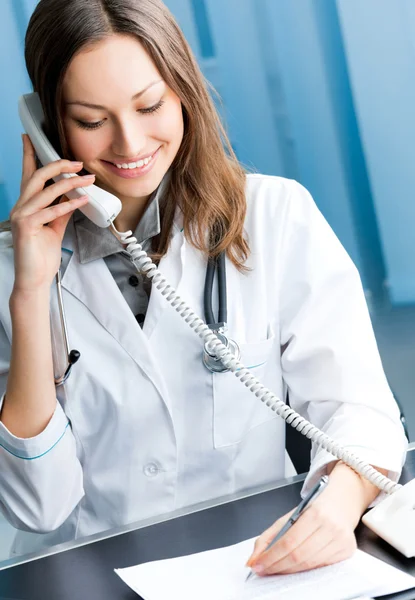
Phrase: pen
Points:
(311, 496)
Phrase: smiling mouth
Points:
(132, 170)
(139, 164)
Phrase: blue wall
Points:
(380, 51)
(322, 94)
(14, 15)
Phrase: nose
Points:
(129, 139)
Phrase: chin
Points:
(134, 188)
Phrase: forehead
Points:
(113, 68)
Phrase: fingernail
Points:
(88, 176)
(84, 197)
(77, 163)
(259, 569)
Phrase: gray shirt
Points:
(95, 242)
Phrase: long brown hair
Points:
(207, 182)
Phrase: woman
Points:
(142, 427)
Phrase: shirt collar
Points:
(96, 242)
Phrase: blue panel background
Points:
(14, 15)
(381, 57)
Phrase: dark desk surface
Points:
(85, 572)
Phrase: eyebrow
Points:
(98, 106)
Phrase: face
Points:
(120, 117)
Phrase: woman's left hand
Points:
(324, 533)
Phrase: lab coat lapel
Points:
(93, 285)
(185, 269)
(189, 285)
(171, 266)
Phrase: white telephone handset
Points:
(392, 519)
(102, 207)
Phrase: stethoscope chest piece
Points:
(212, 362)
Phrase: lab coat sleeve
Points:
(40, 477)
(330, 359)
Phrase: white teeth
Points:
(134, 165)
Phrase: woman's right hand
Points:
(37, 227)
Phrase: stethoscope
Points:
(219, 327)
(210, 360)
(72, 355)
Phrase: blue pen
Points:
(311, 496)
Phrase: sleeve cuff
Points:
(392, 461)
(41, 444)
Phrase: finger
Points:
(37, 181)
(304, 557)
(48, 215)
(28, 161)
(336, 557)
(60, 223)
(51, 193)
(265, 538)
(296, 535)
(336, 550)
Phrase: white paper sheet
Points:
(221, 574)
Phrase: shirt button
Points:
(133, 280)
(151, 470)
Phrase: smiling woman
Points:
(132, 63)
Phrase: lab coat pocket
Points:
(236, 410)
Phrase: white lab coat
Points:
(142, 428)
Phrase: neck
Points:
(131, 213)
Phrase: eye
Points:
(96, 124)
(151, 109)
(88, 125)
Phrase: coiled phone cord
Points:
(145, 265)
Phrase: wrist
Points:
(21, 299)
(354, 485)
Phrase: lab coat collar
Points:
(97, 242)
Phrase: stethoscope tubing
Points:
(72, 355)
(210, 360)
(216, 264)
